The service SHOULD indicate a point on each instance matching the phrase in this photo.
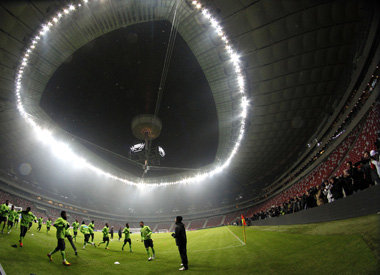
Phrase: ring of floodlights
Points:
(59, 146)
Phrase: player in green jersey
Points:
(91, 227)
(40, 221)
(17, 220)
(61, 224)
(4, 211)
(146, 237)
(30, 224)
(26, 218)
(70, 238)
(75, 226)
(84, 230)
(48, 225)
(11, 218)
(106, 238)
(127, 238)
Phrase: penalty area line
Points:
(242, 243)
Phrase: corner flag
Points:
(244, 224)
(243, 220)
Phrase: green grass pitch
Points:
(340, 247)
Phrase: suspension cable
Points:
(169, 52)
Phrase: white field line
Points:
(242, 243)
(204, 250)
(2, 272)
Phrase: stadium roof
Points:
(98, 91)
(297, 57)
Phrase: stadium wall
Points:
(363, 203)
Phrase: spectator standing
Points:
(327, 192)
(347, 183)
(375, 167)
(181, 241)
(336, 189)
(310, 199)
(365, 169)
(319, 196)
(355, 175)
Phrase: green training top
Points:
(146, 233)
(4, 210)
(12, 215)
(17, 216)
(75, 226)
(48, 223)
(84, 229)
(91, 228)
(105, 231)
(40, 221)
(61, 225)
(26, 218)
(127, 233)
(67, 232)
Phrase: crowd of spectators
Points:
(352, 166)
(356, 177)
(356, 172)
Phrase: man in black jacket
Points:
(181, 241)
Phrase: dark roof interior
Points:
(97, 92)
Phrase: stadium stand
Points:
(230, 218)
(365, 140)
(362, 138)
(196, 224)
(214, 221)
(163, 227)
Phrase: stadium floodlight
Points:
(62, 148)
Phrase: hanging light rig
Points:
(146, 128)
